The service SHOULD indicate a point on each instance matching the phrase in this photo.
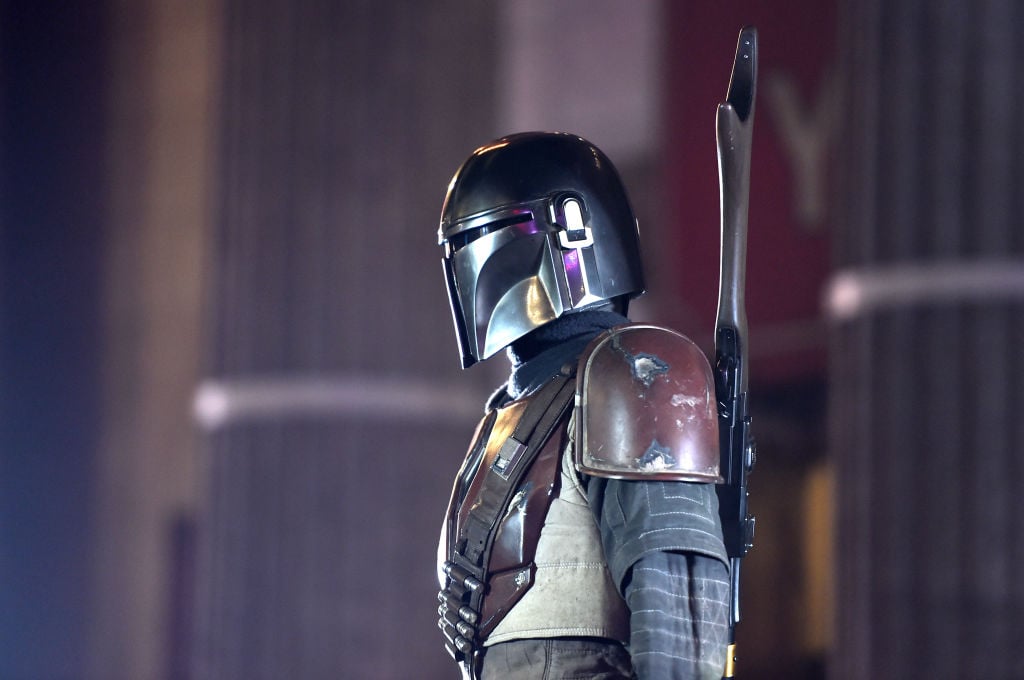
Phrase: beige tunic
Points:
(572, 594)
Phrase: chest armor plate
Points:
(511, 567)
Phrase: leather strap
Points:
(467, 567)
(513, 459)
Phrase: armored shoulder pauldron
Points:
(645, 401)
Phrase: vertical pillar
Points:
(329, 456)
(156, 158)
(927, 373)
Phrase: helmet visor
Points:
(501, 281)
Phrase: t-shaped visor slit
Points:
(464, 238)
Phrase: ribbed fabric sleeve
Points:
(663, 543)
(641, 517)
(679, 608)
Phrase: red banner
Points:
(796, 121)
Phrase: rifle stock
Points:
(735, 122)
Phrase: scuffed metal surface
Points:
(647, 367)
(656, 457)
(689, 400)
(646, 408)
(644, 367)
(519, 501)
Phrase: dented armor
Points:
(645, 407)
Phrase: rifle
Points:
(735, 122)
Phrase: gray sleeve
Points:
(679, 610)
(637, 518)
(663, 545)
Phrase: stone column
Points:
(927, 372)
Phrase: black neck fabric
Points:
(542, 353)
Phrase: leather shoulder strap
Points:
(514, 457)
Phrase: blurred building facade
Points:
(926, 378)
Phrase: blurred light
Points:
(852, 293)
(217, 403)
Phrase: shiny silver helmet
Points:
(534, 226)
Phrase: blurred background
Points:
(230, 402)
